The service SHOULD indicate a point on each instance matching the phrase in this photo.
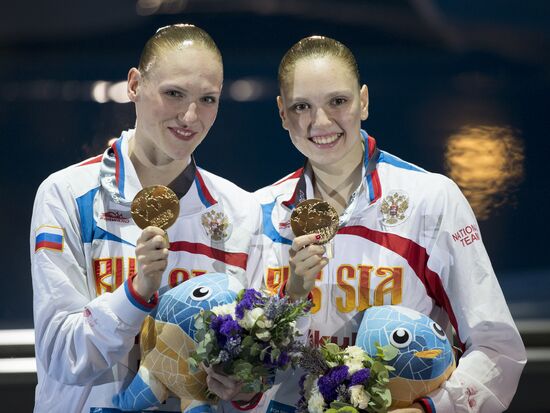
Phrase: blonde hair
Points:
(316, 46)
(173, 37)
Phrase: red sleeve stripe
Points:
(417, 257)
(427, 404)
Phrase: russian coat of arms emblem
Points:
(394, 208)
(216, 225)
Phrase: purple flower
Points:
(360, 376)
(284, 358)
(225, 327)
(233, 345)
(230, 328)
(224, 356)
(275, 306)
(330, 382)
(250, 298)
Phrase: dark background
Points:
(433, 69)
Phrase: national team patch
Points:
(50, 238)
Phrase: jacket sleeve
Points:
(78, 337)
(487, 375)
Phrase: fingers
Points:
(302, 241)
(306, 261)
(152, 259)
(153, 238)
(223, 386)
(306, 258)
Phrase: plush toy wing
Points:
(425, 357)
(167, 340)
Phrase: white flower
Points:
(353, 358)
(263, 335)
(359, 397)
(316, 402)
(250, 317)
(226, 309)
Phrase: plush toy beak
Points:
(428, 354)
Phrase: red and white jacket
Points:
(407, 237)
(82, 245)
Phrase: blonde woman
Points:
(96, 275)
(406, 237)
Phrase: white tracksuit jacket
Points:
(408, 237)
(82, 246)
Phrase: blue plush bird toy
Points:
(425, 357)
(167, 340)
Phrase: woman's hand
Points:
(152, 259)
(306, 261)
(225, 387)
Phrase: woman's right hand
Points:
(152, 259)
(225, 387)
(306, 261)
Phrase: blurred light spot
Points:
(117, 92)
(487, 163)
(149, 7)
(99, 91)
(245, 90)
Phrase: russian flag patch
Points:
(48, 237)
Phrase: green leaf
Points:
(275, 354)
(255, 349)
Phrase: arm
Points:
(78, 337)
(488, 372)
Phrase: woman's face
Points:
(176, 102)
(322, 106)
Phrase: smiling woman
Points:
(406, 237)
(96, 274)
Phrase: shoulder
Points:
(282, 187)
(432, 189)
(221, 186)
(73, 180)
(240, 202)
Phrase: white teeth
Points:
(324, 140)
(184, 134)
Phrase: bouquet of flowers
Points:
(345, 380)
(250, 338)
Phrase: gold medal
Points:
(315, 216)
(156, 206)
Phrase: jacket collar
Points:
(119, 178)
(304, 188)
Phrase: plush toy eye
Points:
(201, 293)
(400, 337)
(438, 331)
